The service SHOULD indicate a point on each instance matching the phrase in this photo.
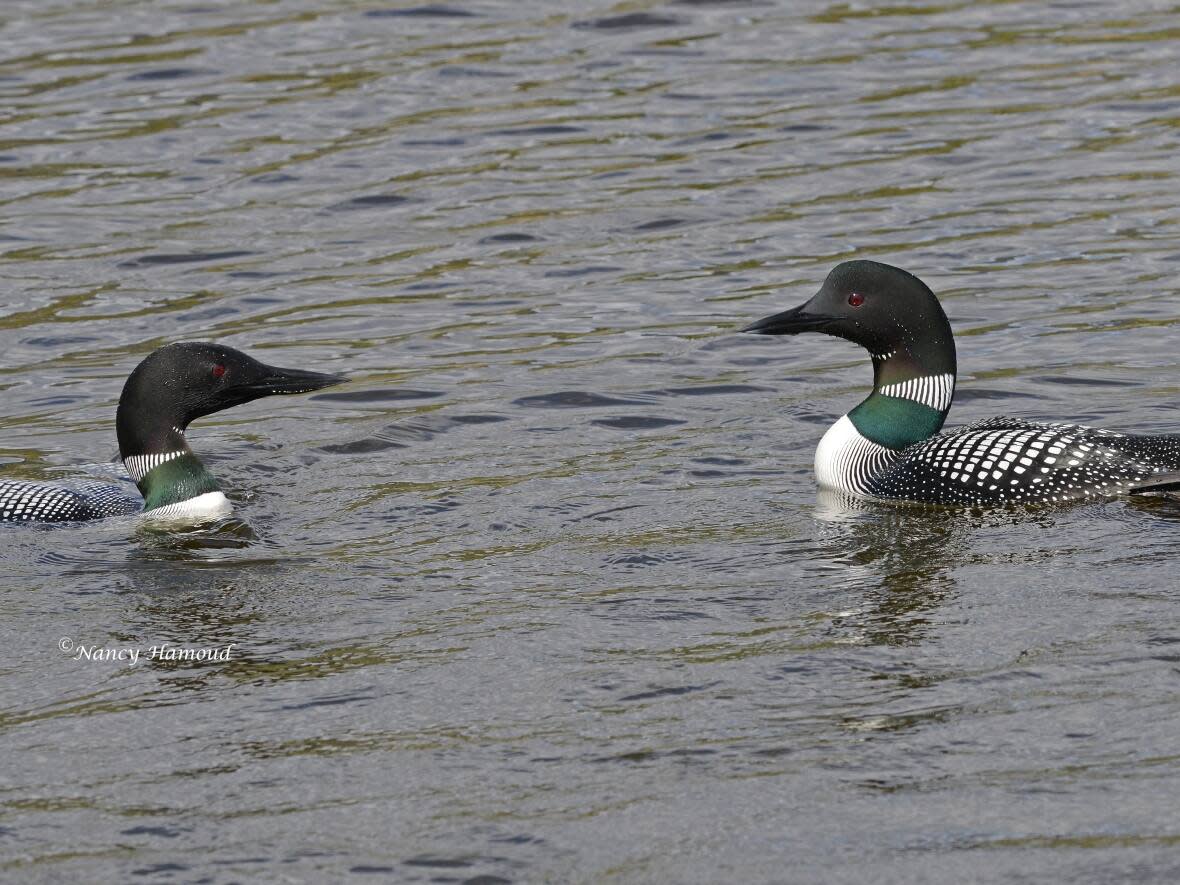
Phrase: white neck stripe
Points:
(935, 391)
(139, 466)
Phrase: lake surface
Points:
(547, 593)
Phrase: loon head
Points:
(885, 309)
(897, 319)
(182, 382)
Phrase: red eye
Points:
(856, 299)
(218, 370)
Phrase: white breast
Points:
(202, 508)
(844, 460)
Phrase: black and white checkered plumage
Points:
(1011, 460)
(25, 501)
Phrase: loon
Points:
(889, 447)
(174, 385)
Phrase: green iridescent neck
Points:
(894, 422)
(176, 480)
(892, 415)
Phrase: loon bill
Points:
(174, 385)
(889, 447)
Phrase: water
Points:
(547, 593)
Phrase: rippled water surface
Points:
(546, 593)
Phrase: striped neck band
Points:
(934, 391)
(138, 466)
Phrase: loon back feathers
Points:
(170, 388)
(24, 501)
(1009, 459)
(889, 446)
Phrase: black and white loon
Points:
(889, 447)
(174, 385)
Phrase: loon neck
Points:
(911, 397)
(169, 473)
(155, 452)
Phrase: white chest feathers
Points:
(202, 508)
(845, 460)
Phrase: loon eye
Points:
(218, 370)
(856, 299)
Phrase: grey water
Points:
(546, 593)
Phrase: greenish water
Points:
(547, 593)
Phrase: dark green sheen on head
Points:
(880, 307)
(897, 319)
(182, 382)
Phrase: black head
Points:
(182, 382)
(881, 308)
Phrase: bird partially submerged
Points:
(172, 387)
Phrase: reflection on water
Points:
(902, 559)
(547, 593)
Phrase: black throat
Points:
(147, 424)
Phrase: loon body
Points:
(889, 447)
(174, 385)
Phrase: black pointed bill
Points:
(791, 322)
(274, 380)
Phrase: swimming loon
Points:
(889, 447)
(171, 387)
